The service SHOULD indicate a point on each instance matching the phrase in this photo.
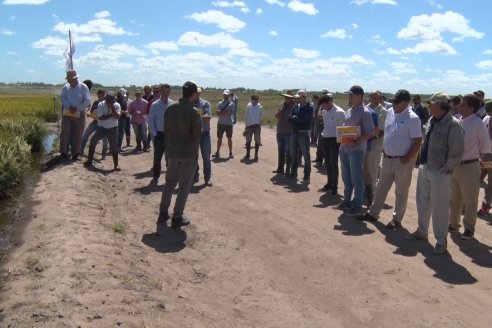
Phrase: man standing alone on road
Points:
(75, 98)
(182, 136)
(225, 110)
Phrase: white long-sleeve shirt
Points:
(253, 114)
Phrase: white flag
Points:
(69, 52)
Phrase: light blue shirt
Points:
(203, 107)
(79, 96)
(156, 115)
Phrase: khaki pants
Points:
(372, 160)
(432, 198)
(393, 170)
(72, 130)
(465, 187)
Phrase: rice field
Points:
(22, 129)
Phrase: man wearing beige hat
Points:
(441, 152)
(284, 133)
(465, 180)
(75, 98)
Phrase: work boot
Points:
(257, 148)
(115, 162)
(281, 162)
(248, 150)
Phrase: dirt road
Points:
(262, 251)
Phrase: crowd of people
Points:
(449, 142)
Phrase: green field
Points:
(22, 129)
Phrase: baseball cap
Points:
(356, 90)
(122, 92)
(226, 92)
(301, 93)
(199, 90)
(325, 91)
(439, 97)
(110, 96)
(479, 93)
(189, 87)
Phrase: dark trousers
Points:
(319, 149)
(300, 141)
(159, 150)
(124, 128)
(331, 149)
(111, 135)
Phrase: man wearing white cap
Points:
(75, 98)
(441, 152)
(225, 110)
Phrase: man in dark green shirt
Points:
(182, 134)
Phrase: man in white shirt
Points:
(332, 116)
(107, 113)
(401, 143)
(252, 120)
(465, 179)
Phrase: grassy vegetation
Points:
(22, 130)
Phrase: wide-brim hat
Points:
(71, 74)
(288, 94)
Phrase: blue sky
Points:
(421, 45)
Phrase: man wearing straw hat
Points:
(75, 98)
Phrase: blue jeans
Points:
(205, 150)
(283, 143)
(352, 176)
(300, 140)
(91, 128)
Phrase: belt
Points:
(387, 156)
(304, 131)
(468, 161)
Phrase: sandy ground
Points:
(262, 251)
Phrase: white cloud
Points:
(101, 25)
(432, 46)
(7, 32)
(484, 64)
(338, 34)
(245, 52)
(259, 11)
(385, 2)
(51, 45)
(354, 59)
(220, 40)
(102, 14)
(376, 38)
(239, 4)
(425, 27)
(157, 46)
(25, 2)
(275, 2)
(305, 53)
(299, 6)
(273, 32)
(12, 17)
(403, 68)
(223, 21)
(374, 2)
(354, 25)
(435, 4)
(392, 51)
(487, 52)
(108, 57)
